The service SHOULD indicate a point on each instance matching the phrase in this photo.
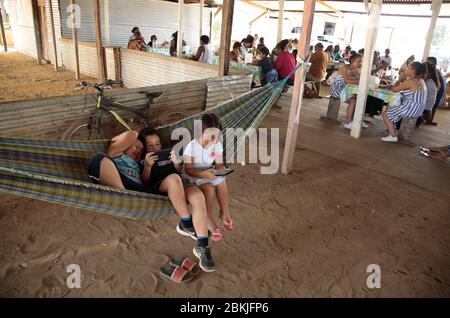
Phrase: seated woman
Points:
(285, 62)
(204, 53)
(138, 43)
(165, 177)
(413, 101)
(119, 168)
(432, 83)
(235, 54)
(348, 74)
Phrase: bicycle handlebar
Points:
(99, 87)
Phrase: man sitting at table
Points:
(204, 53)
(269, 73)
(318, 69)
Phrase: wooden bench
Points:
(333, 111)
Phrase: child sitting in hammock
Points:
(199, 157)
(119, 168)
(165, 177)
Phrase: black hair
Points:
(419, 68)
(319, 45)
(153, 37)
(210, 120)
(282, 44)
(329, 48)
(204, 39)
(353, 57)
(236, 45)
(431, 72)
(432, 60)
(147, 131)
(352, 53)
(361, 51)
(264, 50)
(348, 48)
(337, 47)
(134, 29)
(249, 39)
(175, 34)
(261, 40)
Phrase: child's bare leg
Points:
(222, 198)
(173, 186)
(208, 192)
(351, 109)
(109, 175)
(199, 213)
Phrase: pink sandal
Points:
(228, 225)
(217, 235)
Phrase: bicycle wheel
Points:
(172, 117)
(80, 130)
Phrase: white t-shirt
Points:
(387, 60)
(206, 56)
(203, 158)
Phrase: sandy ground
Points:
(22, 78)
(309, 234)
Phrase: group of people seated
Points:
(137, 42)
(131, 162)
(422, 86)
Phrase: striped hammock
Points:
(56, 171)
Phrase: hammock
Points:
(56, 171)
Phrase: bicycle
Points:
(93, 126)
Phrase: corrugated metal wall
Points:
(152, 17)
(21, 14)
(57, 21)
(88, 57)
(144, 69)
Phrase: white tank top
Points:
(206, 55)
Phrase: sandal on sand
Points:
(228, 224)
(424, 149)
(425, 153)
(176, 274)
(217, 235)
(185, 263)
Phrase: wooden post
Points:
(75, 41)
(297, 95)
(225, 37)
(202, 3)
(106, 21)
(100, 51)
(436, 7)
(280, 20)
(37, 33)
(52, 26)
(372, 30)
(180, 28)
(5, 45)
(117, 63)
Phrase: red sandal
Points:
(176, 274)
(185, 263)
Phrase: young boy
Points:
(269, 73)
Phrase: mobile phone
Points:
(163, 157)
(222, 173)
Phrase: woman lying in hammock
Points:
(119, 168)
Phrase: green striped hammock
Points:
(56, 171)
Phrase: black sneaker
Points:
(186, 231)
(189, 231)
(204, 255)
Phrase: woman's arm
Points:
(219, 162)
(121, 143)
(197, 55)
(402, 86)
